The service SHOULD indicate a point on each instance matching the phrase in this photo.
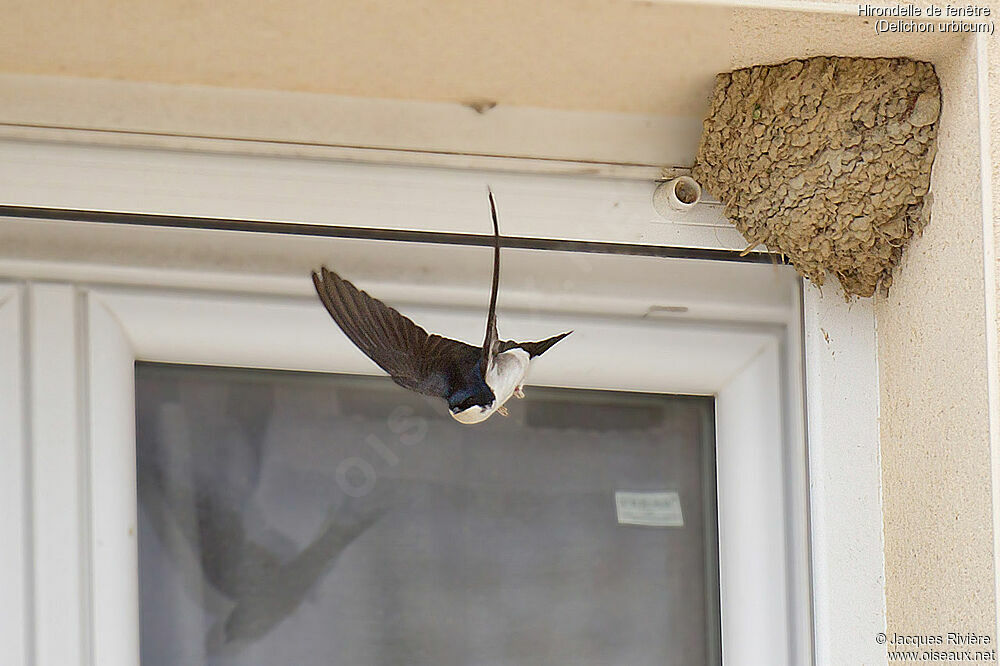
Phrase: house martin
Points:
(475, 381)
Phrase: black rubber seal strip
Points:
(374, 233)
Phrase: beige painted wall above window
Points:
(609, 81)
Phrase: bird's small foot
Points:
(518, 392)
(502, 411)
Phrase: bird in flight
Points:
(475, 381)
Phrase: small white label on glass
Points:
(650, 509)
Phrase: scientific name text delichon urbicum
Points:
(943, 18)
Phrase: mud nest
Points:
(825, 160)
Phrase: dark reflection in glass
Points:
(299, 518)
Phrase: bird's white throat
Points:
(506, 374)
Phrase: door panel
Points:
(330, 519)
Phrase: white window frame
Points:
(15, 551)
(742, 368)
(79, 338)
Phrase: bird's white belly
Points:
(507, 373)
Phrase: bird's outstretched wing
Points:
(492, 341)
(533, 348)
(422, 362)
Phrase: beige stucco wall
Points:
(932, 355)
(933, 364)
(936, 470)
(993, 81)
(579, 54)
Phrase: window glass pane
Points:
(299, 518)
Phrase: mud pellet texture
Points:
(826, 160)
